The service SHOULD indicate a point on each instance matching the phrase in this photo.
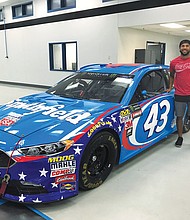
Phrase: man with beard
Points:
(180, 77)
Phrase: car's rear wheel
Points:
(98, 160)
(186, 124)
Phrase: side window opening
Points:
(152, 84)
(166, 74)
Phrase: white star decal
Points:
(77, 150)
(22, 176)
(21, 198)
(36, 201)
(119, 128)
(21, 143)
(54, 185)
(113, 119)
(43, 172)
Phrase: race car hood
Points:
(47, 112)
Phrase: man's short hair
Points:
(184, 42)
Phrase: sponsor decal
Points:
(136, 114)
(62, 165)
(67, 186)
(129, 128)
(132, 112)
(61, 158)
(99, 75)
(10, 119)
(135, 110)
(135, 107)
(125, 112)
(66, 178)
(57, 111)
(129, 132)
(55, 173)
(98, 125)
(126, 118)
(128, 124)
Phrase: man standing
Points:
(180, 77)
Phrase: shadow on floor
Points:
(10, 210)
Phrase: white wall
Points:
(28, 49)
(40, 8)
(99, 40)
(155, 15)
(131, 39)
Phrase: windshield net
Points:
(93, 86)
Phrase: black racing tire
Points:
(186, 124)
(98, 160)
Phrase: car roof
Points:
(118, 68)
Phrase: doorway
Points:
(158, 49)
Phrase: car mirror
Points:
(144, 92)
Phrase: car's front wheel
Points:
(98, 160)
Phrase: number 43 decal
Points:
(151, 123)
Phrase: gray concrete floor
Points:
(152, 186)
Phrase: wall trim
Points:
(24, 84)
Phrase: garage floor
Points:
(152, 186)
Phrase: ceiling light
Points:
(187, 30)
(172, 25)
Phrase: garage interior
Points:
(153, 185)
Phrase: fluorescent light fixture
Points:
(187, 30)
(172, 25)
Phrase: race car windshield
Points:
(93, 86)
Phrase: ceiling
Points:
(171, 31)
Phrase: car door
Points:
(152, 112)
(157, 119)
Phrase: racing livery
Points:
(68, 138)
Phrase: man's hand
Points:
(168, 90)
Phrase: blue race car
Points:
(54, 143)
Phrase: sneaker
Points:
(179, 142)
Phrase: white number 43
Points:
(151, 123)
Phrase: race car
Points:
(70, 137)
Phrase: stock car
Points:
(54, 143)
